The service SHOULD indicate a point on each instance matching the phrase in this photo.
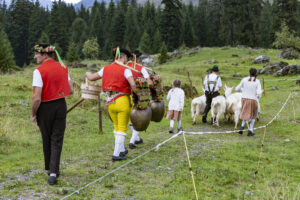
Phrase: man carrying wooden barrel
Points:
(51, 84)
(142, 73)
(117, 83)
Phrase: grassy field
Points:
(223, 164)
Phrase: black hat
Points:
(44, 48)
(215, 68)
(125, 51)
(137, 53)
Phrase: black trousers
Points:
(51, 119)
(209, 96)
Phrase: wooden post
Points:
(100, 115)
(264, 86)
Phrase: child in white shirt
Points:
(175, 98)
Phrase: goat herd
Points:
(230, 104)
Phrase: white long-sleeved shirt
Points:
(175, 98)
(212, 77)
(250, 89)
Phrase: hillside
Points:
(223, 164)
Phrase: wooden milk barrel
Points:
(90, 91)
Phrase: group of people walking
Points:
(52, 83)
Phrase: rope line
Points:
(261, 149)
(235, 131)
(116, 169)
(174, 136)
(293, 102)
(190, 165)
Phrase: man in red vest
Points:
(117, 83)
(142, 73)
(51, 84)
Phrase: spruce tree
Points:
(131, 36)
(170, 24)
(163, 54)
(118, 27)
(286, 10)
(78, 33)
(72, 54)
(265, 26)
(57, 28)
(157, 42)
(6, 54)
(201, 22)
(97, 28)
(145, 43)
(188, 32)
(44, 38)
(110, 13)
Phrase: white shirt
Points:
(175, 98)
(212, 77)
(250, 89)
(37, 80)
(127, 74)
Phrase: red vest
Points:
(137, 67)
(114, 80)
(55, 80)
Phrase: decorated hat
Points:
(125, 51)
(215, 68)
(44, 48)
(137, 53)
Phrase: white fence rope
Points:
(169, 139)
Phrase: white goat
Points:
(218, 106)
(233, 105)
(197, 107)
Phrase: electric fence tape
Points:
(174, 136)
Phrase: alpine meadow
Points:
(178, 40)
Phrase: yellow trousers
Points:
(119, 112)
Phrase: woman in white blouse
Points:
(251, 89)
(175, 98)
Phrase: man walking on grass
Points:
(51, 84)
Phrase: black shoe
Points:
(180, 129)
(118, 158)
(124, 153)
(171, 130)
(241, 130)
(132, 146)
(204, 119)
(52, 180)
(250, 133)
(139, 141)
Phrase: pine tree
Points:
(149, 23)
(97, 28)
(286, 10)
(210, 33)
(145, 43)
(44, 38)
(108, 44)
(118, 27)
(72, 54)
(201, 22)
(163, 54)
(188, 32)
(157, 42)
(6, 53)
(265, 26)
(57, 28)
(131, 36)
(78, 31)
(170, 24)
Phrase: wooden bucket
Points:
(90, 91)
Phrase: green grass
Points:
(223, 164)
